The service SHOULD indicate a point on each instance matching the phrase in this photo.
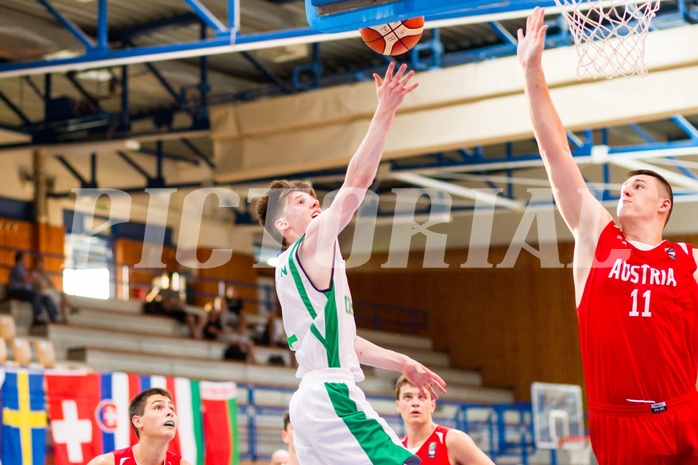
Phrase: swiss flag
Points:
(71, 400)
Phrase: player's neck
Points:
(417, 434)
(150, 452)
(645, 232)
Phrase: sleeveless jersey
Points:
(434, 450)
(637, 322)
(319, 324)
(125, 457)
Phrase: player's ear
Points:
(281, 225)
(284, 437)
(136, 421)
(665, 205)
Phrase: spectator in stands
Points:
(233, 316)
(287, 437)
(21, 287)
(432, 443)
(167, 302)
(43, 284)
(241, 346)
(272, 331)
(153, 419)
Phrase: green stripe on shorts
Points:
(370, 435)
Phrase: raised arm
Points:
(363, 166)
(420, 376)
(569, 188)
(317, 249)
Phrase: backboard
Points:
(557, 413)
(347, 15)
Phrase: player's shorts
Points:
(635, 435)
(334, 424)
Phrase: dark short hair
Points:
(664, 185)
(401, 381)
(19, 255)
(287, 420)
(270, 206)
(137, 405)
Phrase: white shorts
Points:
(334, 424)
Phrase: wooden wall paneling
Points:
(516, 325)
(240, 268)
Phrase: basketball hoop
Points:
(577, 448)
(609, 35)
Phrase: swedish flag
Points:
(23, 418)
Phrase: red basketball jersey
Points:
(433, 451)
(125, 457)
(637, 322)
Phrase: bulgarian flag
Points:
(219, 405)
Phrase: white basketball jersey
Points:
(319, 324)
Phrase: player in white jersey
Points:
(332, 421)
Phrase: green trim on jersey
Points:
(331, 339)
(370, 435)
(298, 280)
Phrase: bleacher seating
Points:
(116, 336)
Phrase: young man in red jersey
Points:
(636, 296)
(434, 444)
(154, 421)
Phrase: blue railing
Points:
(505, 430)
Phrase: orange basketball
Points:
(394, 38)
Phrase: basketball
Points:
(394, 38)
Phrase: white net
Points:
(577, 450)
(609, 35)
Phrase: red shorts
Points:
(634, 435)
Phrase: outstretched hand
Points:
(391, 89)
(424, 379)
(532, 43)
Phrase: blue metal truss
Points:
(100, 125)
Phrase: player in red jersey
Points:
(433, 444)
(636, 296)
(154, 421)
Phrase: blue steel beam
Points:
(686, 126)
(206, 16)
(70, 26)
(502, 33)
(642, 133)
(161, 79)
(33, 86)
(168, 156)
(125, 122)
(195, 150)
(133, 164)
(76, 174)
(285, 88)
(217, 45)
(102, 27)
(133, 32)
(93, 101)
(15, 109)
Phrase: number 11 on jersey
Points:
(646, 297)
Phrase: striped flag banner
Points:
(219, 403)
(189, 440)
(23, 418)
